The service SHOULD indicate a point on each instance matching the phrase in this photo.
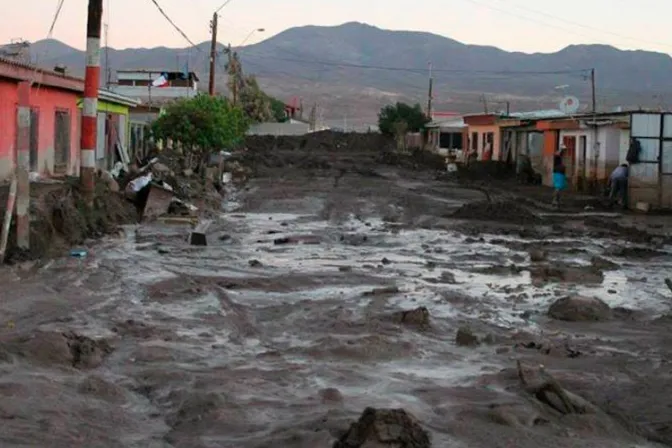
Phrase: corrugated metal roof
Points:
(36, 69)
(456, 122)
(539, 114)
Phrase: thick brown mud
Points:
(318, 304)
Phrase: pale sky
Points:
(520, 25)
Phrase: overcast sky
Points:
(521, 25)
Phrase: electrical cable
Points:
(163, 13)
(55, 19)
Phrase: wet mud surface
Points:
(314, 302)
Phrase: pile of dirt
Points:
(327, 150)
(486, 171)
(60, 219)
(508, 212)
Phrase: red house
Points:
(52, 98)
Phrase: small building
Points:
(113, 127)
(447, 135)
(54, 124)
(155, 86)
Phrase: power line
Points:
(53, 22)
(174, 25)
(418, 70)
(589, 27)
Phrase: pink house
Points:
(54, 130)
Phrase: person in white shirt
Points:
(618, 182)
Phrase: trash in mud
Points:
(385, 428)
(580, 309)
(509, 212)
(78, 253)
(390, 290)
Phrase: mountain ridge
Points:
(355, 68)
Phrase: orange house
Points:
(484, 135)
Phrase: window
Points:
(61, 140)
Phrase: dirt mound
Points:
(486, 171)
(60, 219)
(385, 428)
(502, 211)
(580, 309)
(327, 150)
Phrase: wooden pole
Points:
(9, 211)
(213, 55)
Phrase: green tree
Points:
(390, 116)
(278, 110)
(201, 125)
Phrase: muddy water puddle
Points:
(233, 345)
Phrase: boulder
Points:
(537, 255)
(580, 309)
(466, 338)
(418, 317)
(385, 428)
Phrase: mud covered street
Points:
(337, 285)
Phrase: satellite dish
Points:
(569, 105)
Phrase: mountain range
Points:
(353, 69)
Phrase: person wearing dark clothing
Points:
(619, 185)
(559, 176)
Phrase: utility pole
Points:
(592, 87)
(430, 92)
(213, 54)
(484, 100)
(90, 104)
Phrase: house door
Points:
(34, 138)
(61, 141)
(650, 180)
(569, 157)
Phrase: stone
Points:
(466, 338)
(385, 428)
(537, 255)
(331, 396)
(418, 317)
(580, 309)
(255, 264)
(602, 264)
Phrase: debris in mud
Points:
(418, 317)
(580, 309)
(602, 264)
(255, 264)
(66, 349)
(331, 396)
(390, 290)
(385, 428)
(537, 255)
(465, 337)
(565, 274)
(509, 212)
(668, 282)
(550, 349)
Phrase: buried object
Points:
(197, 236)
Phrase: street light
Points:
(258, 30)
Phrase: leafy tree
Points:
(390, 116)
(258, 106)
(201, 125)
(278, 110)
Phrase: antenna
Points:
(569, 105)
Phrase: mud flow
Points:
(354, 301)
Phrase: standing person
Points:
(619, 185)
(559, 175)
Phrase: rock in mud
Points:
(565, 274)
(86, 352)
(385, 428)
(255, 264)
(602, 264)
(331, 396)
(418, 317)
(537, 255)
(580, 309)
(390, 290)
(466, 338)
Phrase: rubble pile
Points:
(381, 428)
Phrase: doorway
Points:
(34, 138)
(61, 141)
(582, 168)
(569, 157)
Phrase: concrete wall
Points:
(46, 101)
(481, 130)
(155, 93)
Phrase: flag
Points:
(161, 81)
